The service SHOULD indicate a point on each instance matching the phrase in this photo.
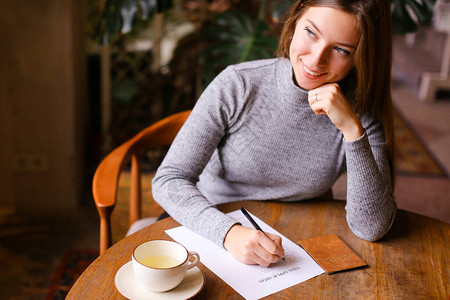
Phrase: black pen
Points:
(247, 215)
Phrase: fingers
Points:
(251, 246)
(274, 247)
(317, 101)
(269, 250)
(329, 99)
(324, 92)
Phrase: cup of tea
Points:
(161, 265)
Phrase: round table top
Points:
(410, 262)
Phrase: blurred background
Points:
(79, 77)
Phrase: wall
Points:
(43, 105)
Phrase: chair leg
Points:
(105, 227)
(135, 190)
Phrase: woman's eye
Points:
(309, 32)
(342, 51)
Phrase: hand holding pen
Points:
(252, 246)
(247, 215)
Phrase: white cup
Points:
(161, 265)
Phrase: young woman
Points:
(286, 128)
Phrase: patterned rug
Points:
(412, 158)
(72, 265)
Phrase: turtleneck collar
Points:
(285, 81)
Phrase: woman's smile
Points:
(322, 52)
(314, 74)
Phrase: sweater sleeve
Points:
(370, 200)
(174, 185)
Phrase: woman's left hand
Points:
(328, 99)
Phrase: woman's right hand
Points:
(252, 246)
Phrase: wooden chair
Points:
(106, 177)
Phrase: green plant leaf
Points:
(124, 91)
(279, 9)
(128, 10)
(148, 8)
(235, 37)
(408, 15)
(109, 23)
(118, 16)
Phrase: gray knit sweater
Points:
(252, 135)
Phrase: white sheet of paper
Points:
(251, 281)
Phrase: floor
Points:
(431, 123)
(30, 248)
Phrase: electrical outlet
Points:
(33, 163)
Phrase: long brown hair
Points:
(371, 92)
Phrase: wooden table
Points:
(411, 262)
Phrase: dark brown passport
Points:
(331, 253)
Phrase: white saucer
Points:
(129, 287)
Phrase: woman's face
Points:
(323, 47)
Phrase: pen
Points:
(247, 215)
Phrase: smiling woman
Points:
(286, 128)
(369, 33)
(320, 51)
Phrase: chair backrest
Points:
(106, 177)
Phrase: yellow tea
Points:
(159, 261)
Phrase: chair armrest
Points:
(106, 178)
(104, 190)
